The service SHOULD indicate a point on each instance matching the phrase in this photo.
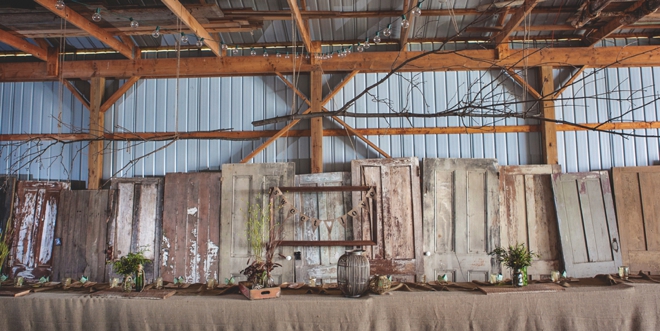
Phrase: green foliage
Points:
(515, 257)
(258, 218)
(258, 271)
(128, 265)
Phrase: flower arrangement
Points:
(515, 257)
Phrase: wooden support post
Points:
(96, 125)
(316, 125)
(53, 62)
(548, 128)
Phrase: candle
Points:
(554, 276)
(493, 278)
(159, 283)
(624, 271)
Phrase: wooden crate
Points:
(264, 293)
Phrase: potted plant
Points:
(131, 267)
(262, 250)
(518, 258)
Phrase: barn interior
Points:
(424, 133)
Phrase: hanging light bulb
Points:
(156, 32)
(387, 31)
(404, 22)
(223, 46)
(360, 48)
(278, 55)
(349, 50)
(307, 56)
(184, 38)
(97, 15)
(417, 10)
(265, 52)
(377, 37)
(235, 50)
(59, 5)
(134, 23)
(367, 44)
(253, 52)
(200, 42)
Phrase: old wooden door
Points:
(34, 227)
(80, 233)
(242, 185)
(191, 226)
(137, 224)
(398, 249)
(587, 224)
(637, 194)
(527, 215)
(321, 262)
(461, 207)
(7, 190)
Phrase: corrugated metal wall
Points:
(168, 105)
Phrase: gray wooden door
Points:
(34, 227)
(398, 249)
(81, 229)
(527, 215)
(137, 223)
(191, 226)
(321, 262)
(461, 207)
(7, 190)
(587, 224)
(637, 194)
(243, 184)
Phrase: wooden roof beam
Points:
(191, 22)
(300, 23)
(91, 28)
(515, 20)
(24, 45)
(405, 32)
(637, 11)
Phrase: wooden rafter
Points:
(530, 89)
(76, 93)
(300, 23)
(91, 28)
(569, 82)
(191, 22)
(634, 13)
(24, 45)
(120, 91)
(515, 20)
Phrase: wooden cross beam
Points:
(120, 91)
(300, 23)
(191, 22)
(515, 21)
(531, 90)
(569, 82)
(76, 93)
(24, 45)
(91, 28)
(634, 13)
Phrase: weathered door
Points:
(527, 215)
(7, 190)
(191, 226)
(34, 227)
(242, 185)
(461, 207)
(137, 224)
(82, 222)
(587, 224)
(398, 249)
(321, 262)
(637, 194)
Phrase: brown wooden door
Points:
(81, 229)
(460, 218)
(527, 215)
(191, 226)
(137, 224)
(7, 191)
(398, 249)
(34, 227)
(243, 184)
(321, 262)
(587, 224)
(637, 194)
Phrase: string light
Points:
(253, 52)
(96, 17)
(134, 23)
(417, 10)
(156, 32)
(184, 38)
(277, 54)
(360, 48)
(200, 42)
(377, 37)
(59, 5)
(387, 31)
(287, 55)
(235, 50)
(265, 52)
(367, 44)
(404, 22)
(223, 46)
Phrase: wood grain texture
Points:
(461, 207)
(587, 223)
(242, 185)
(636, 191)
(7, 191)
(527, 215)
(191, 226)
(137, 223)
(35, 212)
(81, 228)
(398, 249)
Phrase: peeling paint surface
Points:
(211, 260)
(166, 251)
(46, 251)
(192, 211)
